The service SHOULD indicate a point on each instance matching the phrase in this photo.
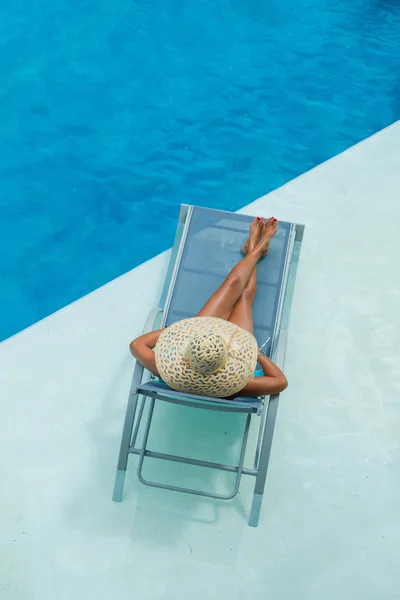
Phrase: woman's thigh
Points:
(221, 303)
(242, 314)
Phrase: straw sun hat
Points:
(206, 356)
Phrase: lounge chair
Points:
(207, 245)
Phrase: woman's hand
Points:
(273, 381)
(142, 349)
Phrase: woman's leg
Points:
(223, 301)
(242, 314)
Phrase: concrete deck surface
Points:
(330, 524)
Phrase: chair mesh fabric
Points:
(213, 246)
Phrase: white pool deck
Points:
(330, 524)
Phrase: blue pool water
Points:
(114, 112)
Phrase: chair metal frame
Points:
(144, 387)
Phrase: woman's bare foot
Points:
(269, 229)
(255, 231)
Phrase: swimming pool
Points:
(114, 113)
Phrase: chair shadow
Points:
(193, 433)
(157, 515)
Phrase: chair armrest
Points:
(139, 369)
(151, 319)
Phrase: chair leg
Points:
(264, 460)
(124, 449)
(118, 485)
(127, 434)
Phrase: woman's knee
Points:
(249, 294)
(234, 283)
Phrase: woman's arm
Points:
(273, 381)
(142, 350)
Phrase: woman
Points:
(215, 353)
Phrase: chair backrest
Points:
(211, 248)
